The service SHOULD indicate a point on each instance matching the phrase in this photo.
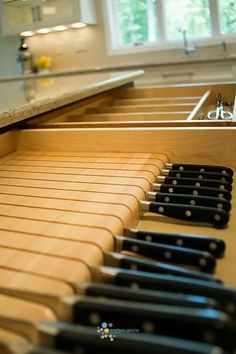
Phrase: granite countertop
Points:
(22, 99)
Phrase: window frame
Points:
(162, 43)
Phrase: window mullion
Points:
(215, 18)
(161, 20)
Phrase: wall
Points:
(86, 47)
(8, 50)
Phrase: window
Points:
(160, 23)
(190, 15)
(227, 12)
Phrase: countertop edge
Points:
(29, 110)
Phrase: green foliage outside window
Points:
(137, 21)
(190, 15)
(227, 9)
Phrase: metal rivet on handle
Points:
(220, 206)
(195, 192)
(161, 209)
(202, 261)
(134, 248)
(94, 318)
(223, 179)
(212, 246)
(134, 267)
(200, 177)
(224, 172)
(148, 238)
(221, 195)
(192, 202)
(222, 187)
(202, 170)
(178, 175)
(134, 286)
(217, 217)
(148, 327)
(188, 213)
(181, 168)
(167, 199)
(179, 242)
(171, 190)
(197, 184)
(168, 254)
(174, 182)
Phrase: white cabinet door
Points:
(57, 12)
(18, 15)
(24, 15)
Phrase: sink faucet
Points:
(187, 48)
(223, 48)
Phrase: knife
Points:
(225, 296)
(52, 292)
(199, 200)
(201, 168)
(195, 182)
(181, 322)
(199, 175)
(146, 265)
(35, 246)
(84, 339)
(217, 217)
(213, 245)
(192, 190)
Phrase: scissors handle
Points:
(219, 113)
(214, 114)
(226, 114)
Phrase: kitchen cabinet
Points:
(29, 15)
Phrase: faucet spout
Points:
(188, 49)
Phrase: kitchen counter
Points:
(23, 99)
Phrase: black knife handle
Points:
(201, 175)
(193, 200)
(174, 254)
(149, 296)
(217, 217)
(198, 183)
(90, 342)
(201, 168)
(135, 263)
(204, 191)
(225, 296)
(212, 245)
(185, 323)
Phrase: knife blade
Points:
(213, 245)
(197, 174)
(199, 167)
(195, 182)
(217, 217)
(199, 200)
(192, 190)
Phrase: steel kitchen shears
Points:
(219, 112)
